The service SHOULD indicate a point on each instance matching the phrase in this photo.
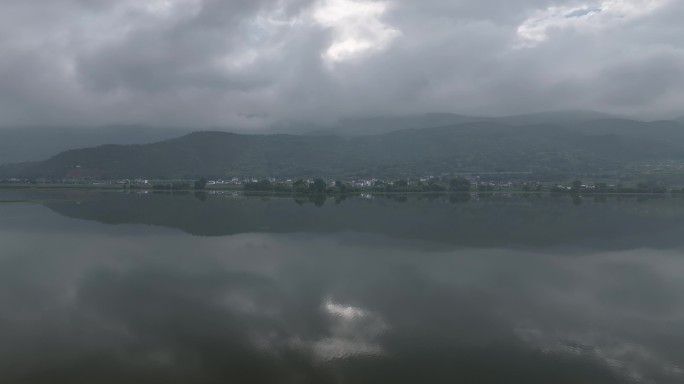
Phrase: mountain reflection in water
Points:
(112, 287)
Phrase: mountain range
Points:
(20, 144)
(378, 125)
(575, 144)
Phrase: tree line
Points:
(320, 186)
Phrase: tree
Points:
(651, 187)
(601, 187)
(259, 186)
(576, 186)
(319, 186)
(435, 187)
(200, 184)
(459, 184)
(300, 186)
(341, 187)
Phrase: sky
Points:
(256, 63)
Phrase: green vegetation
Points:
(175, 186)
(459, 184)
(58, 186)
(267, 186)
(539, 152)
(319, 187)
(645, 187)
(200, 184)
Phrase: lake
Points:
(112, 287)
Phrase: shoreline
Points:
(117, 188)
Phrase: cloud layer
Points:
(260, 62)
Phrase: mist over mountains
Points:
(377, 125)
(544, 144)
(39, 143)
(21, 144)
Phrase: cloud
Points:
(356, 25)
(590, 17)
(263, 62)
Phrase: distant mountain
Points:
(378, 125)
(658, 130)
(555, 117)
(472, 147)
(38, 143)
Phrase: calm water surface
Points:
(105, 287)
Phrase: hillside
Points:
(21, 144)
(379, 125)
(563, 118)
(472, 147)
(39, 143)
(476, 147)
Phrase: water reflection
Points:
(83, 301)
(457, 219)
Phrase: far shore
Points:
(240, 189)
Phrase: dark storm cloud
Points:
(254, 63)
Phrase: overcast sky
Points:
(258, 62)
